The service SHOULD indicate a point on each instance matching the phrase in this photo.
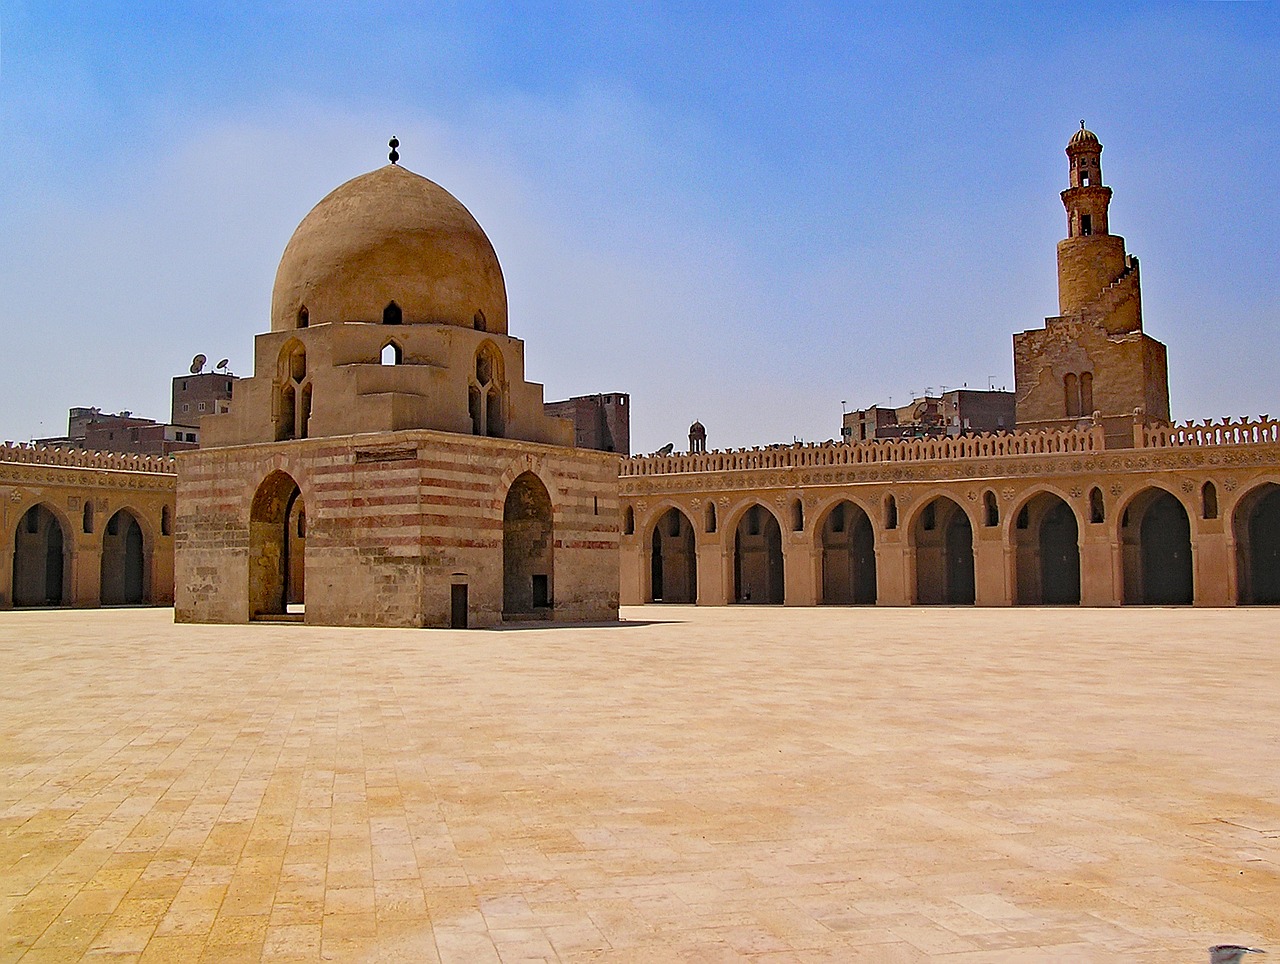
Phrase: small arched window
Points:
(479, 322)
(890, 512)
(166, 521)
(1097, 512)
(797, 516)
(628, 521)
(1071, 391)
(991, 509)
(711, 517)
(88, 516)
(392, 315)
(391, 354)
(1209, 500)
(304, 317)
(1086, 393)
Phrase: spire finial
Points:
(393, 144)
(1082, 125)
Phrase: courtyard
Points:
(743, 783)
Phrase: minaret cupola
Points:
(1087, 199)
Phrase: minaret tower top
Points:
(1087, 199)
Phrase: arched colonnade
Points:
(97, 553)
(1141, 544)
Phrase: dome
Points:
(1083, 138)
(383, 237)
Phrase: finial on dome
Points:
(393, 144)
(1082, 125)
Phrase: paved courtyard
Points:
(706, 785)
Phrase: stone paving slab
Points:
(739, 784)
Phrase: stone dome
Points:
(1083, 138)
(389, 244)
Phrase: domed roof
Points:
(389, 236)
(1084, 138)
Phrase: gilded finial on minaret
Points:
(393, 144)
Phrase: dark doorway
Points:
(123, 564)
(1046, 543)
(527, 547)
(1156, 537)
(943, 540)
(848, 557)
(458, 606)
(277, 557)
(39, 565)
(757, 558)
(1257, 531)
(673, 568)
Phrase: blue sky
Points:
(740, 213)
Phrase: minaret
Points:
(1090, 258)
(1092, 359)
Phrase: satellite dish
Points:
(222, 365)
(197, 364)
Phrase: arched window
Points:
(1071, 392)
(1209, 500)
(992, 509)
(392, 315)
(293, 409)
(1086, 393)
(711, 517)
(304, 317)
(486, 394)
(88, 516)
(478, 321)
(1097, 513)
(890, 512)
(391, 354)
(166, 521)
(628, 521)
(797, 516)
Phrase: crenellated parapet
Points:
(82, 459)
(1263, 430)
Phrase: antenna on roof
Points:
(197, 364)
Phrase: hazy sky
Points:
(741, 213)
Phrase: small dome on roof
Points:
(1084, 138)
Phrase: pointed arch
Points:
(941, 536)
(1256, 526)
(41, 559)
(758, 575)
(1046, 548)
(709, 520)
(673, 560)
(304, 317)
(125, 561)
(275, 562)
(391, 353)
(392, 315)
(846, 544)
(528, 540)
(1155, 539)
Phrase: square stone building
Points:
(388, 464)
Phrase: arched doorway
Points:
(848, 557)
(527, 548)
(943, 540)
(1257, 532)
(1155, 534)
(1046, 543)
(39, 560)
(123, 562)
(277, 562)
(757, 558)
(673, 573)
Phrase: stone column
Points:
(712, 581)
(799, 569)
(1101, 579)
(990, 568)
(1213, 575)
(893, 569)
